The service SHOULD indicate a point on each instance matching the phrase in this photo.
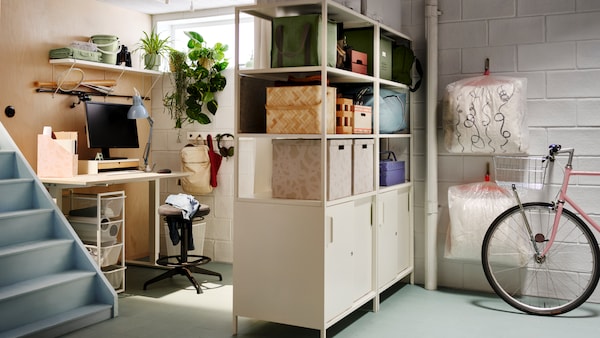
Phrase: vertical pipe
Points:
(431, 195)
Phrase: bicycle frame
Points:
(564, 198)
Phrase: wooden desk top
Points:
(111, 177)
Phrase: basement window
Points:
(214, 28)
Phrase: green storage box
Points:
(296, 41)
(361, 39)
(75, 53)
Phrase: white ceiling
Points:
(170, 6)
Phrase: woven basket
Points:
(297, 110)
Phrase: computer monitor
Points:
(108, 127)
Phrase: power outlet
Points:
(193, 135)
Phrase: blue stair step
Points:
(49, 286)
(29, 260)
(26, 225)
(63, 323)
(8, 168)
(16, 194)
(50, 296)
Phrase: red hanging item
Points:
(215, 161)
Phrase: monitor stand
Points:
(98, 166)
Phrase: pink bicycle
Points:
(539, 257)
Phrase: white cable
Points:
(62, 77)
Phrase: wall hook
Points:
(82, 97)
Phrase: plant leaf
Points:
(212, 106)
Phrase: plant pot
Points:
(151, 61)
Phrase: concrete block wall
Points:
(168, 141)
(555, 44)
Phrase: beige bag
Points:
(195, 160)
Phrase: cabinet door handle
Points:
(330, 229)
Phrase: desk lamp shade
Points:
(138, 111)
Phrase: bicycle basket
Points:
(527, 172)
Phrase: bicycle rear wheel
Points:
(555, 284)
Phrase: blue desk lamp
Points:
(138, 111)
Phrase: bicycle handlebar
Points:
(557, 149)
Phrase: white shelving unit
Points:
(304, 262)
(99, 221)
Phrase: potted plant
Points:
(205, 78)
(154, 48)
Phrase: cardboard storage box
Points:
(57, 157)
(297, 110)
(296, 41)
(363, 39)
(362, 166)
(296, 169)
(358, 62)
(339, 168)
(363, 120)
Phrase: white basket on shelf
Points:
(528, 172)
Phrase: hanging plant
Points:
(205, 77)
(174, 101)
(196, 78)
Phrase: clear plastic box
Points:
(109, 255)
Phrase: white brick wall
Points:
(166, 144)
(555, 44)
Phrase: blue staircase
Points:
(49, 284)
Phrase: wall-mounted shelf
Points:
(103, 66)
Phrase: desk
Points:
(56, 186)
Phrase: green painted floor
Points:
(171, 308)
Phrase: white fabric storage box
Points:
(339, 168)
(362, 166)
(198, 232)
(296, 169)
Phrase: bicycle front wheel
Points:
(551, 285)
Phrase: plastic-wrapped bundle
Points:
(486, 114)
(473, 207)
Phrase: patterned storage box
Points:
(296, 169)
(362, 166)
(297, 110)
(339, 168)
(363, 120)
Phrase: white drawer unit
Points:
(98, 220)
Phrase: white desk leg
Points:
(154, 219)
(56, 193)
